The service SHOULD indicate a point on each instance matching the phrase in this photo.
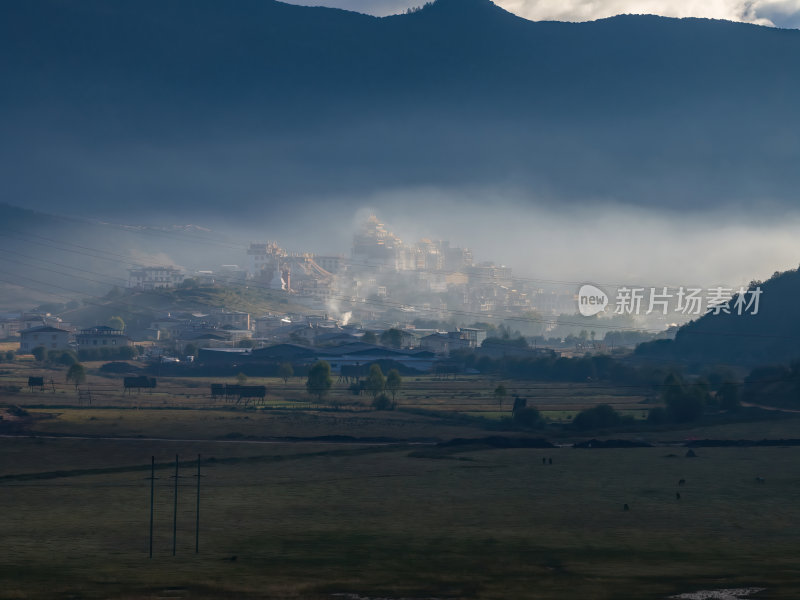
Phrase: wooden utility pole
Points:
(175, 511)
(197, 512)
(152, 499)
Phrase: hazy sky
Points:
(781, 13)
(605, 243)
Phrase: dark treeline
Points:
(775, 386)
(550, 367)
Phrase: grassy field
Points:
(285, 513)
(310, 521)
(467, 394)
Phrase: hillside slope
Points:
(770, 337)
(204, 106)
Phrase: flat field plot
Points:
(309, 521)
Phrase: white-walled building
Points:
(48, 337)
(151, 278)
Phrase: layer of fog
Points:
(557, 246)
(587, 242)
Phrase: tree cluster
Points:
(601, 416)
(56, 357)
(774, 385)
(598, 367)
(378, 384)
(76, 374)
(107, 353)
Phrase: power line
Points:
(463, 313)
(350, 261)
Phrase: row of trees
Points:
(392, 338)
(550, 367)
(319, 383)
(688, 401)
(108, 353)
(775, 385)
(684, 402)
(57, 357)
(69, 357)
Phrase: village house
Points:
(474, 337)
(101, 336)
(169, 326)
(9, 328)
(231, 318)
(152, 278)
(46, 336)
(268, 323)
(445, 343)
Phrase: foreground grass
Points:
(307, 521)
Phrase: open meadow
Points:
(303, 501)
(467, 394)
(307, 520)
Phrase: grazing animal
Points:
(217, 390)
(677, 495)
(760, 480)
(550, 460)
(682, 482)
(625, 507)
(544, 460)
(691, 454)
(36, 382)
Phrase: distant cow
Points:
(677, 495)
(36, 382)
(217, 390)
(138, 383)
(625, 507)
(760, 480)
(681, 482)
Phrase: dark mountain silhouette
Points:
(112, 106)
(769, 337)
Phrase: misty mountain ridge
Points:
(194, 107)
